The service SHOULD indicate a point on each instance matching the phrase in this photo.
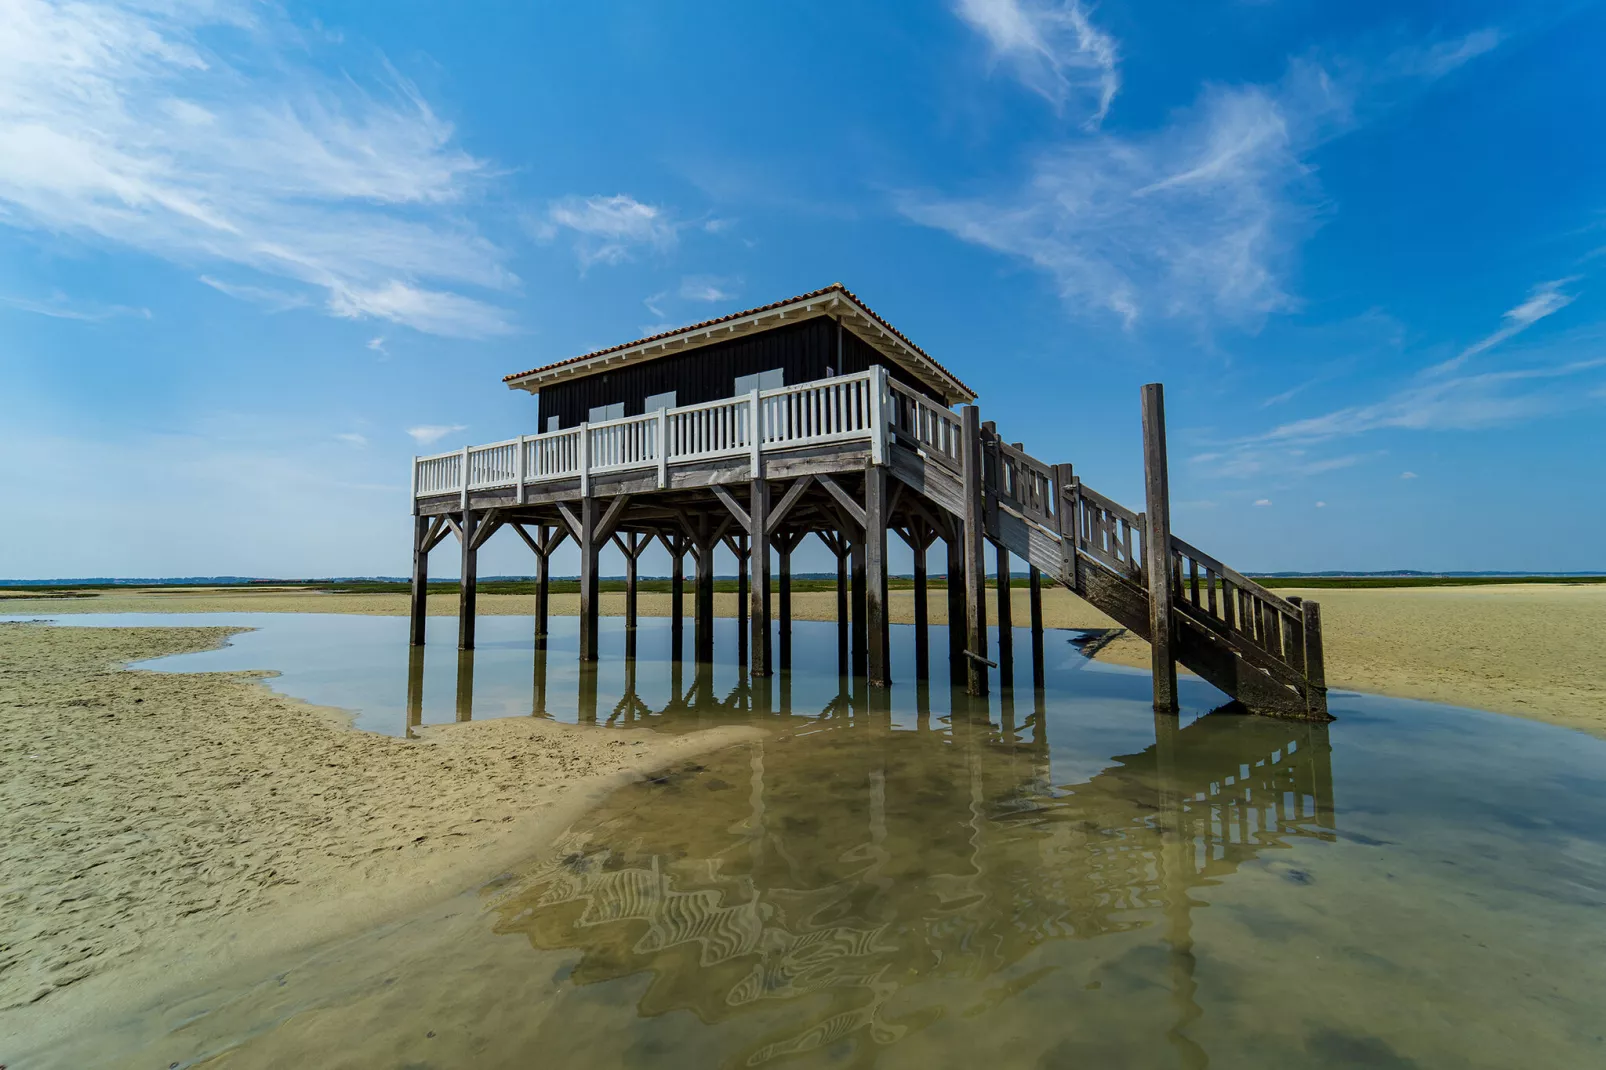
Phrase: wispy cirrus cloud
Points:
(1200, 217)
(1052, 47)
(429, 434)
(59, 306)
(202, 134)
(1545, 299)
(608, 230)
(707, 288)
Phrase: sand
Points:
(1531, 650)
(157, 827)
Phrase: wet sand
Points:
(156, 828)
(1532, 650)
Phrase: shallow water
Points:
(913, 878)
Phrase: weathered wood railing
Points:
(842, 409)
(1239, 609)
(924, 425)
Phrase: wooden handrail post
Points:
(755, 432)
(1157, 548)
(585, 459)
(663, 448)
(758, 611)
(467, 578)
(878, 423)
(518, 468)
(975, 566)
(463, 474)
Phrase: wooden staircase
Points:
(1261, 649)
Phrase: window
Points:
(551, 423)
(655, 402)
(773, 379)
(599, 413)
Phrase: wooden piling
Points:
(1006, 622)
(758, 610)
(842, 621)
(877, 660)
(1039, 673)
(704, 603)
(1315, 666)
(740, 550)
(922, 623)
(589, 607)
(467, 584)
(1157, 549)
(859, 647)
(783, 556)
(975, 570)
(677, 596)
(420, 592)
(543, 586)
(958, 664)
(465, 685)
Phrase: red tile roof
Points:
(835, 287)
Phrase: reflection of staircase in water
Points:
(810, 891)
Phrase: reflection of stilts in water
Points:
(415, 690)
(630, 706)
(465, 685)
(1176, 874)
(538, 703)
(588, 693)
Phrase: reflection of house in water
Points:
(853, 865)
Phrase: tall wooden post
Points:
(958, 664)
(704, 602)
(420, 592)
(1315, 665)
(1157, 548)
(975, 570)
(860, 640)
(1006, 622)
(741, 599)
(543, 586)
(588, 579)
(677, 597)
(631, 546)
(879, 669)
(783, 557)
(1039, 672)
(758, 609)
(922, 634)
(415, 691)
(842, 622)
(466, 584)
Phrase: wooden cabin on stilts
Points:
(814, 416)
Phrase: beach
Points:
(1525, 649)
(156, 827)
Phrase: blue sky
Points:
(254, 257)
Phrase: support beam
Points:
(783, 556)
(836, 543)
(859, 645)
(1039, 672)
(958, 664)
(975, 571)
(1157, 549)
(843, 499)
(758, 610)
(543, 590)
(793, 493)
(704, 602)
(420, 593)
(467, 584)
(588, 579)
(740, 550)
(1006, 622)
(919, 543)
(877, 630)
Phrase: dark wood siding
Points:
(813, 349)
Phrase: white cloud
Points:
(609, 230)
(377, 344)
(201, 133)
(429, 434)
(1053, 48)
(430, 311)
(270, 299)
(1442, 57)
(706, 288)
(1321, 505)
(1199, 217)
(353, 438)
(60, 307)
(655, 304)
(1546, 299)
(1407, 475)
(1262, 501)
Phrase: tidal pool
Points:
(909, 877)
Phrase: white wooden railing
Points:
(847, 408)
